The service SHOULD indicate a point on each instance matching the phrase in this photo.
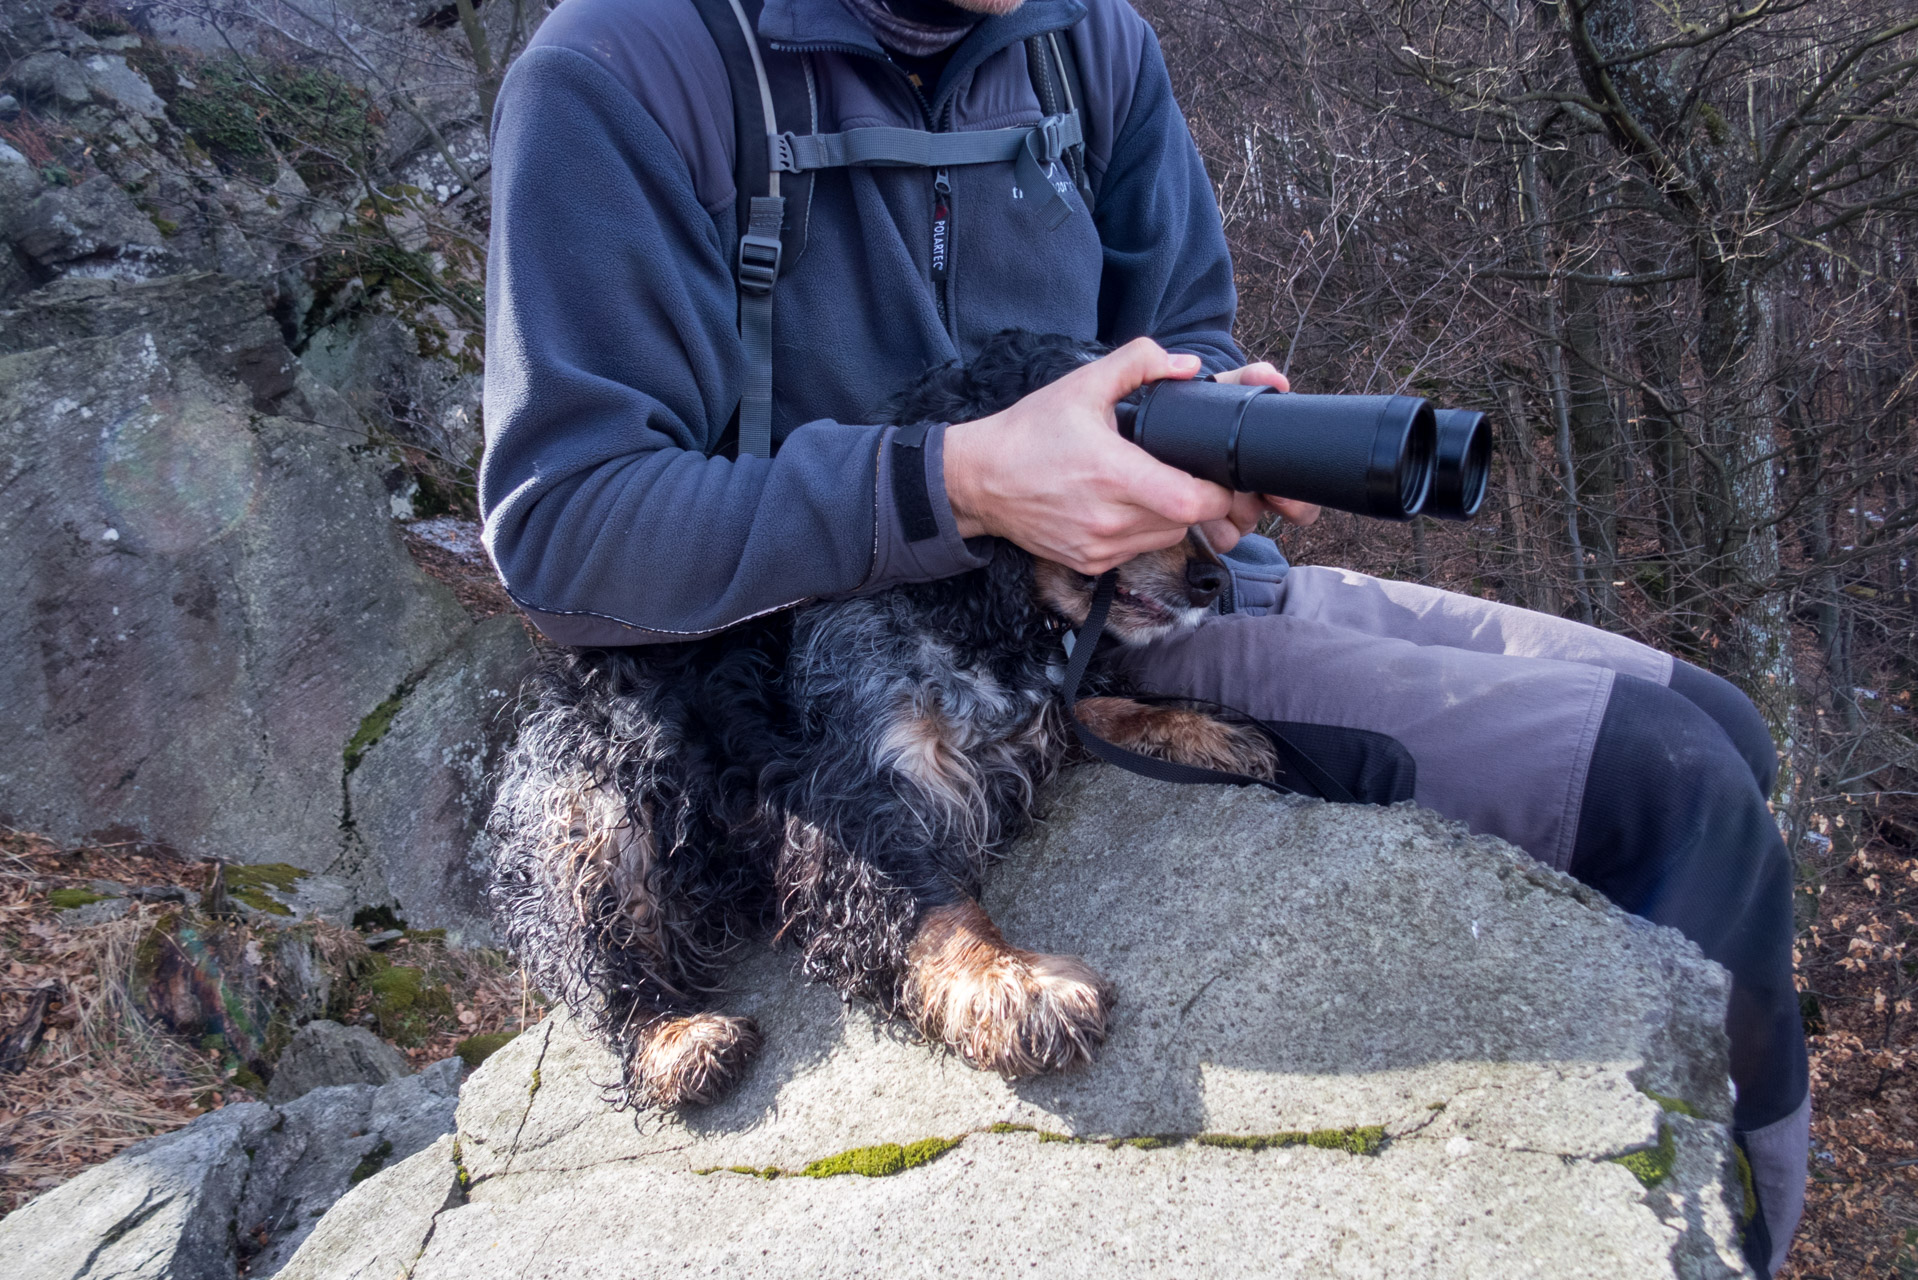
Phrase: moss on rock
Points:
(1669, 1103)
(1363, 1140)
(476, 1049)
(373, 727)
(406, 1002)
(375, 1161)
(71, 899)
(253, 885)
(881, 1161)
(1652, 1165)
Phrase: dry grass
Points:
(105, 1076)
(102, 1079)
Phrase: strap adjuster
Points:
(759, 263)
(1052, 137)
(781, 147)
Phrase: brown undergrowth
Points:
(1856, 970)
(89, 1007)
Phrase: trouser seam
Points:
(1574, 799)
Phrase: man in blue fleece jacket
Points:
(617, 516)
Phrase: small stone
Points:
(325, 1053)
(108, 909)
(384, 938)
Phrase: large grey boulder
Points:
(419, 795)
(381, 1223)
(212, 611)
(327, 1142)
(245, 1184)
(160, 1210)
(1349, 1042)
(93, 229)
(324, 1053)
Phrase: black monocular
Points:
(1392, 457)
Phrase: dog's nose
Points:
(1203, 582)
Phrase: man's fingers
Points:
(1097, 559)
(1294, 511)
(1261, 373)
(1172, 495)
(1117, 374)
(1221, 535)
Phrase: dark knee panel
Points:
(1664, 783)
(1674, 828)
(1720, 699)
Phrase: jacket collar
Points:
(812, 23)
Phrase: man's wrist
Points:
(961, 474)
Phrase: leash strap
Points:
(1302, 766)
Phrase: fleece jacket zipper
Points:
(941, 256)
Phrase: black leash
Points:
(1302, 766)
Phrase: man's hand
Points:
(1261, 373)
(1052, 475)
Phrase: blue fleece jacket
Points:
(613, 358)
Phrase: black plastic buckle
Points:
(759, 263)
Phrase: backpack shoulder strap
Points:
(1054, 69)
(760, 207)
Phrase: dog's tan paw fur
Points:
(693, 1061)
(1002, 1009)
(1186, 737)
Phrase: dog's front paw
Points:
(1181, 735)
(692, 1061)
(1001, 1008)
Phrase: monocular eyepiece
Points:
(1463, 465)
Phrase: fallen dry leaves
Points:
(104, 1077)
(1855, 966)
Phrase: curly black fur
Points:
(830, 775)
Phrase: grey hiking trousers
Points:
(1645, 777)
(1499, 707)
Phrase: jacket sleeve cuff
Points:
(917, 539)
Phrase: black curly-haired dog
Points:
(839, 775)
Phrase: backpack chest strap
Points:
(1034, 148)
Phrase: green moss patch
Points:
(1750, 1208)
(768, 1173)
(1146, 1142)
(476, 1049)
(1654, 1164)
(373, 727)
(881, 1161)
(1678, 1105)
(406, 1003)
(242, 110)
(1364, 1140)
(249, 884)
(375, 1161)
(70, 899)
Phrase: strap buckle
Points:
(1052, 138)
(780, 145)
(759, 263)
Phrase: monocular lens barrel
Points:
(1373, 455)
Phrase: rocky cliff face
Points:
(1348, 1042)
(222, 642)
